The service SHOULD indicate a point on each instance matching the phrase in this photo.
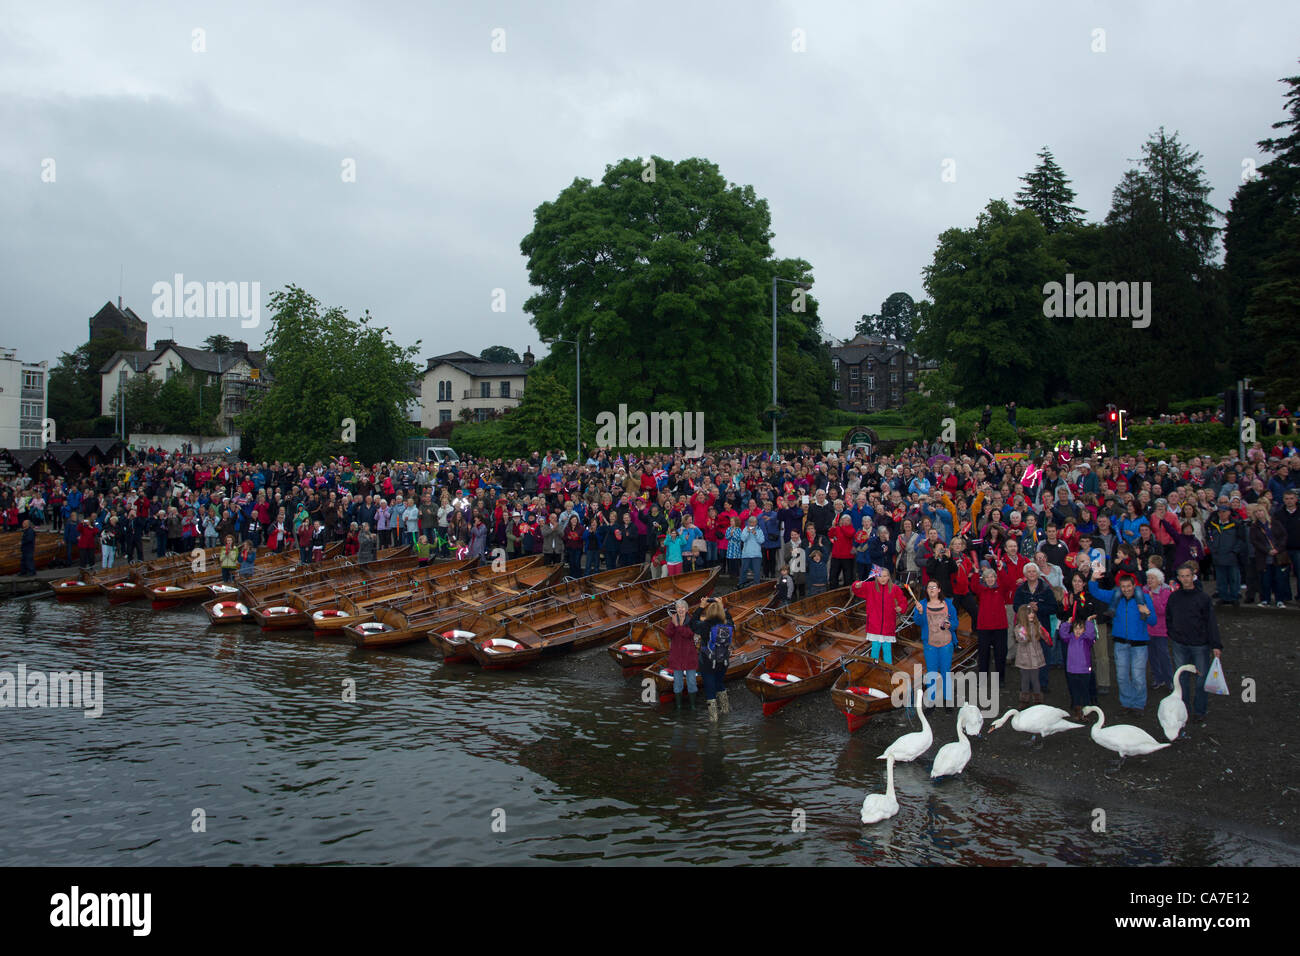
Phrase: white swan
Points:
(1039, 720)
(881, 806)
(1172, 712)
(970, 717)
(910, 746)
(952, 758)
(1125, 739)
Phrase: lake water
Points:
(252, 729)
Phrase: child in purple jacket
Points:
(1077, 636)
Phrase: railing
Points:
(471, 393)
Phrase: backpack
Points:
(718, 648)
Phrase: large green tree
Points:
(985, 309)
(897, 319)
(500, 353)
(662, 271)
(1047, 192)
(1273, 318)
(75, 383)
(326, 367)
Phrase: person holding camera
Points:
(682, 660)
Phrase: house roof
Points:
(474, 366)
(202, 360)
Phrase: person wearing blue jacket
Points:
(936, 617)
(1133, 610)
(770, 524)
(751, 553)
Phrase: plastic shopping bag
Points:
(1215, 682)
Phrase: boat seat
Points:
(503, 588)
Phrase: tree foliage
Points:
(500, 353)
(221, 344)
(75, 384)
(1048, 194)
(325, 368)
(663, 272)
(897, 319)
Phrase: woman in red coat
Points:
(885, 601)
(683, 659)
(991, 622)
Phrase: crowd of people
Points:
(1074, 564)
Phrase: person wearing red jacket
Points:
(991, 623)
(964, 577)
(841, 553)
(885, 601)
(1011, 574)
(86, 536)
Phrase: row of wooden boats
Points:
(515, 613)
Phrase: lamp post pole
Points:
(801, 285)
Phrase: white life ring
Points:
(867, 692)
(459, 635)
(168, 587)
(221, 609)
(372, 627)
(222, 588)
(331, 612)
(666, 672)
(280, 609)
(495, 645)
(638, 649)
(778, 679)
(69, 584)
(125, 584)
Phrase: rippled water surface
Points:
(253, 730)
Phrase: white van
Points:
(437, 454)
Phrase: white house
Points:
(459, 381)
(24, 387)
(231, 376)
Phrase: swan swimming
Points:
(1172, 712)
(881, 806)
(1040, 720)
(952, 758)
(910, 746)
(1125, 739)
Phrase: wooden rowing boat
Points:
(867, 687)
(647, 643)
(268, 588)
(185, 588)
(394, 624)
(140, 578)
(453, 642)
(46, 551)
(581, 622)
(755, 637)
(809, 662)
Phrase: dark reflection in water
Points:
(254, 731)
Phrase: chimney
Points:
(528, 357)
(160, 344)
(119, 303)
(239, 348)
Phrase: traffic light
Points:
(1109, 419)
(1122, 424)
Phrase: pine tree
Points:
(1047, 192)
(1274, 317)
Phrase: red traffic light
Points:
(1114, 417)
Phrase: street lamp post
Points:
(801, 285)
(577, 451)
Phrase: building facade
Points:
(117, 319)
(460, 385)
(873, 374)
(24, 388)
(228, 378)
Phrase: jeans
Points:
(160, 545)
(888, 649)
(715, 677)
(1200, 657)
(1269, 588)
(711, 554)
(575, 562)
(1131, 674)
(689, 677)
(1162, 670)
(107, 550)
(1101, 657)
(227, 575)
(1228, 577)
(591, 563)
(749, 566)
(938, 668)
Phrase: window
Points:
(442, 395)
(31, 440)
(121, 379)
(854, 372)
(505, 389)
(893, 394)
(481, 414)
(871, 400)
(835, 364)
(871, 383)
(34, 380)
(484, 391)
(444, 415)
(854, 397)
(894, 360)
(835, 385)
(893, 378)
(31, 410)
(171, 372)
(871, 362)
(910, 373)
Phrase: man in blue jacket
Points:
(1133, 611)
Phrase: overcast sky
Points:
(227, 164)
